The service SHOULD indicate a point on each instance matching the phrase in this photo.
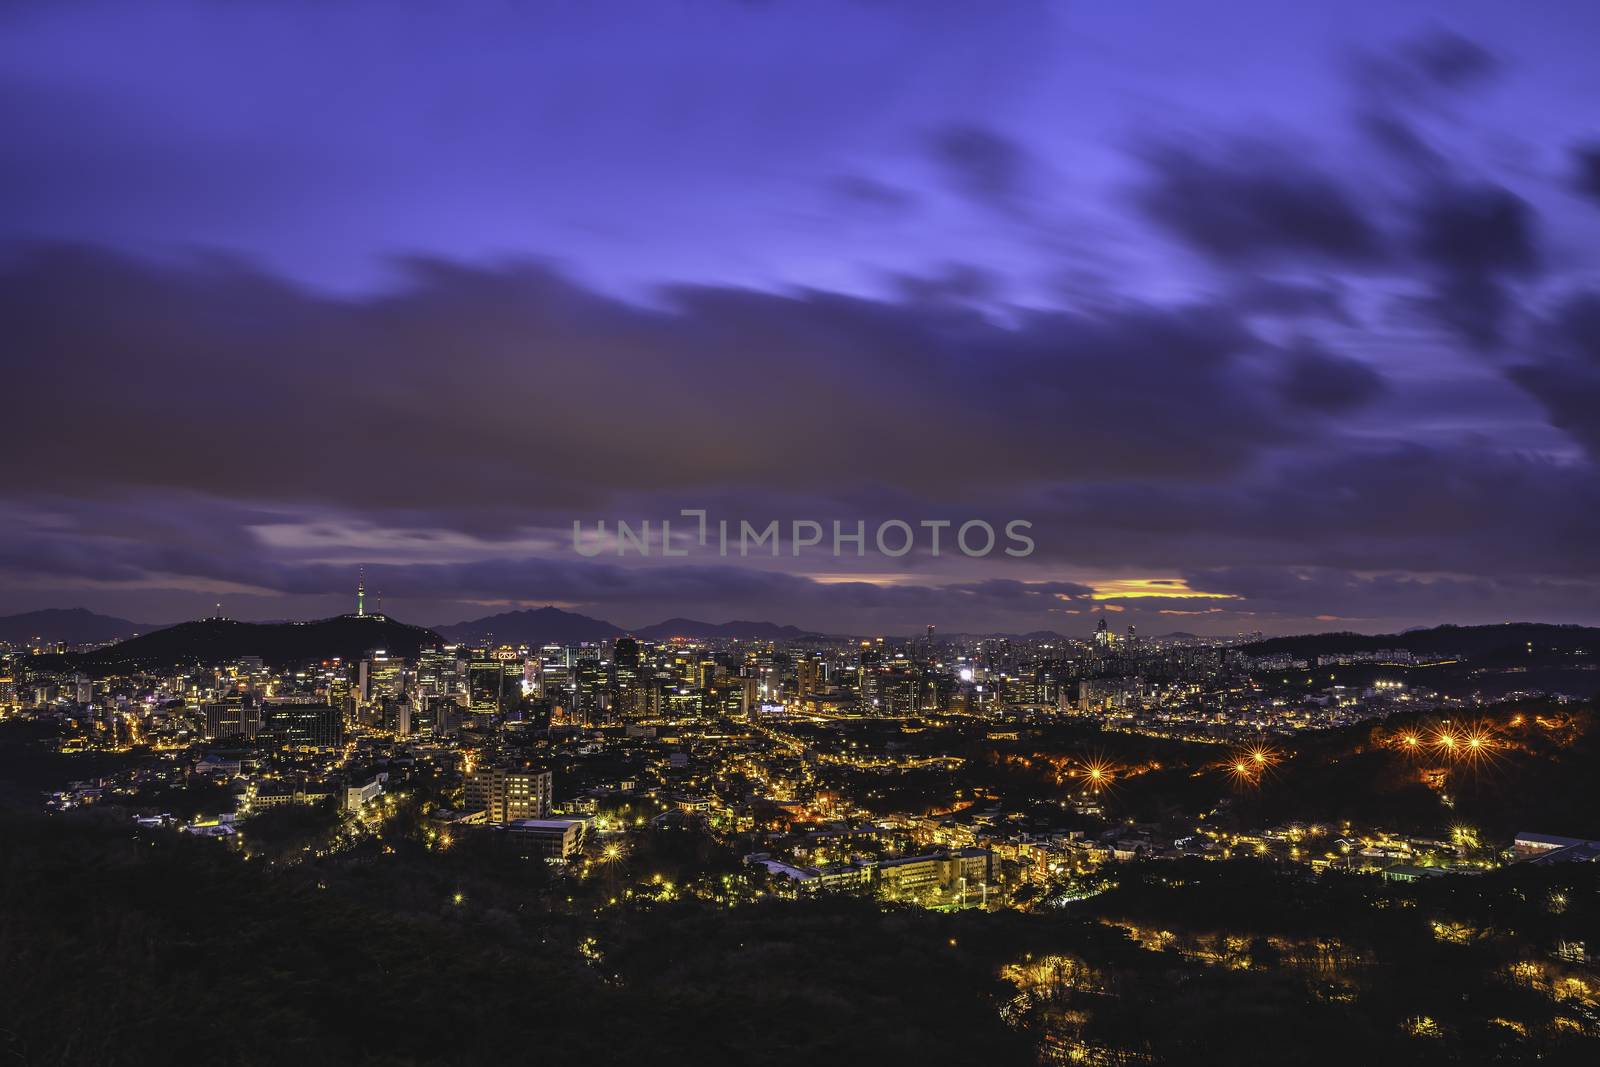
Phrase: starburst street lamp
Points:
(1098, 776)
(1248, 765)
(1242, 772)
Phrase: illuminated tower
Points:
(361, 592)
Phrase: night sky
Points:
(1268, 316)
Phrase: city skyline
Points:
(1286, 338)
(799, 531)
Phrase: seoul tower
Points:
(361, 592)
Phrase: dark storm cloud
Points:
(1467, 509)
(1251, 202)
(1292, 300)
(981, 163)
(1470, 240)
(1477, 229)
(1130, 437)
(1564, 371)
(1586, 170)
(1450, 60)
(1342, 598)
(1400, 140)
(1419, 83)
(958, 282)
(1322, 381)
(461, 385)
(1281, 587)
(630, 595)
(1425, 70)
(876, 339)
(1476, 241)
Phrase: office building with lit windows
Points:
(506, 794)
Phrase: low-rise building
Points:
(554, 839)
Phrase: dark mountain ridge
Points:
(538, 626)
(533, 626)
(206, 642)
(1493, 641)
(739, 629)
(72, 626)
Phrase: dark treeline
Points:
(123, 948)
(119, 949)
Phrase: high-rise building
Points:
(338, 686)
(590, 697)
(627, 677)
(626, 658)
(869, 665)
(494, 683)
(506, 794)
(82, 689)
(381, 675)
(684, 666)
(439, 716)
(706, 672)
(1103, 637)
(555, 672)
(233, 718)
(808, 676)
(438, 671)
(734, 697)
(302, 724)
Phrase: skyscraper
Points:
(626, 680)
(1103, 637)
(494, 682)
(298, 724)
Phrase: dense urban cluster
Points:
(1042, 776)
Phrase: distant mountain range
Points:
(726, 631)
(542, 626)
(72, 626)
(211, 641)
(208, 641)
(534, 626)
(1504, 640)
(279, 644)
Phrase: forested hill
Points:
(1503, 640)
(212, 641)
